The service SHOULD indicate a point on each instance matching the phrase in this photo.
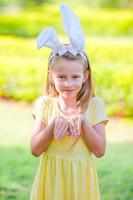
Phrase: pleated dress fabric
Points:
(67, 168)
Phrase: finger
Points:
(64, 131)
(58, 131)
(72, 128)
(61, 131)
(68, 133)
(74, 123)
(58, 124)
(77, 125)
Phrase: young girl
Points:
(69, 126)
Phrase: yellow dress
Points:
(67, 168)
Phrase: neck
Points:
(67, 103)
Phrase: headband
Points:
(72, 28)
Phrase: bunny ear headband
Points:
(72, 27)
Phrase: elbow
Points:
(35, 154)
(35, 151)
(99, 153)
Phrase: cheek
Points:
(79, 82)
(58, 83)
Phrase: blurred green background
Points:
(108, 29)
(109, 44)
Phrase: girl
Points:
(69, 126)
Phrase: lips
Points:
(68, 90)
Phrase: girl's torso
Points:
(68, 146)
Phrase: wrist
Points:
(83, 119)
(51, 128)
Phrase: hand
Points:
(60, 127)
(75, 125)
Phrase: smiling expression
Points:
(68, 77)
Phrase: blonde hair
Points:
(87, 91)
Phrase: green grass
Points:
(115, 172)
(18, 167)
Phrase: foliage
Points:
(20, 3)
(115, 182)
(23, 70)
(93, 3)
(29, 23)
(20, 72)
(111, 3)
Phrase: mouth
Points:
(69, 90)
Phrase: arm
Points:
(94, 137)
(41, 137)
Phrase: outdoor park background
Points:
(108, 28)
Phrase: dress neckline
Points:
(61, 112)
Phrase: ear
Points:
(50, 77)
(86, 75)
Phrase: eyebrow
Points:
(65, 75)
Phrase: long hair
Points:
(87, 91)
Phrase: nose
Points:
(68, 83)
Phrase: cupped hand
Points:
(60, 127)
(75, 125)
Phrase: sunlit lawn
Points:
(18, 167)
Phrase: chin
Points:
(69, 95)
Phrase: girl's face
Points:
(68, 77)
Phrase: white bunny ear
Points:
(72, 28)
(49, 39)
